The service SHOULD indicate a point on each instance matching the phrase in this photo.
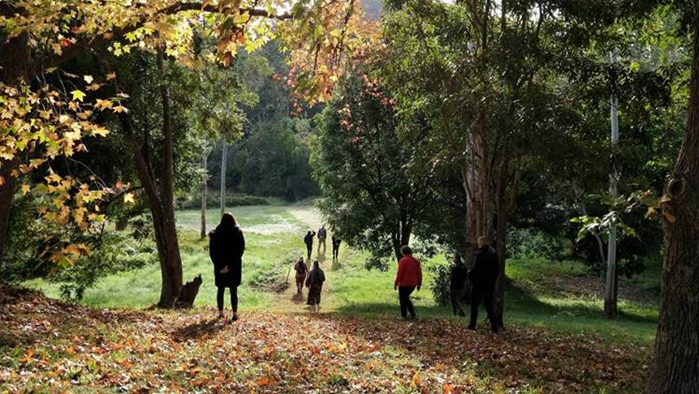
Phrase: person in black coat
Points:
(457, 280)
(308, 240)
(336, 246)
(483, 275)
(226, 248)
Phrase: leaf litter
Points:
(50, 346)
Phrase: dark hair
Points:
(316, 263)
(228, 221)
(405, 249)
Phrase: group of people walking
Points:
(313, 279)
(322, 235)
(227, 246)
(481, 269)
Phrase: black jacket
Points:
(458, 276)
(226, 248)
(486, 268)
(308, 239)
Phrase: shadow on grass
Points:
(525, 301)
(297, 298)
(514, 357)
(198, 330)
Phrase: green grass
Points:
(266, 259)
(274, 236)
(358, 291)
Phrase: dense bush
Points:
(118, 251)
(213, 200)
(111, 251)
(530, 243)
(377, 263)
(440, 281)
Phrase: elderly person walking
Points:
(408, 278)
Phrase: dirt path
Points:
(289, 301)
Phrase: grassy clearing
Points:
(541, 293)
(273, 239)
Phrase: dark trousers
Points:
(309, 249)
(234, 298)
(406, 306)
(336, 251)
(455, 295)
(485, 293)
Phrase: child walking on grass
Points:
(314, 282)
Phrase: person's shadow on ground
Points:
(297, 298)
(198, 330)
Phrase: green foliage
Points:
(441, 276)
(529, 243)
(118, 252)
(371, 198)
(213, 200)
(111, 251)
(377, 263)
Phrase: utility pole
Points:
(611, 288)
(224, 161)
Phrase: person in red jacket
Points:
(408, 278)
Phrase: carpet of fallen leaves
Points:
(50, 346)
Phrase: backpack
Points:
(322, 233)
(301, 268)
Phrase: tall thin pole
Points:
(610, 293)
(204, 191)
(224, 161)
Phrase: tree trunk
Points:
(170, 260)
(14, 66)
(160, 198)
(224, 162)
(7, 192)
(676, 364)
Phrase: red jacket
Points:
(409, 272)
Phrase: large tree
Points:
(481, 73)
(676, 361)
(361, 164)
(41, 35)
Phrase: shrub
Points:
(214, 201)
(377, 263)
(528, 243)
(439, 286)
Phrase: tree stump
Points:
(189, 293)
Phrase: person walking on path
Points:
(314, 282)
(301, 270)
(457, 280)
(336, 246)
(226, 248)
(483, 275)
(308, 240)
(322, 235)
(408, 278)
